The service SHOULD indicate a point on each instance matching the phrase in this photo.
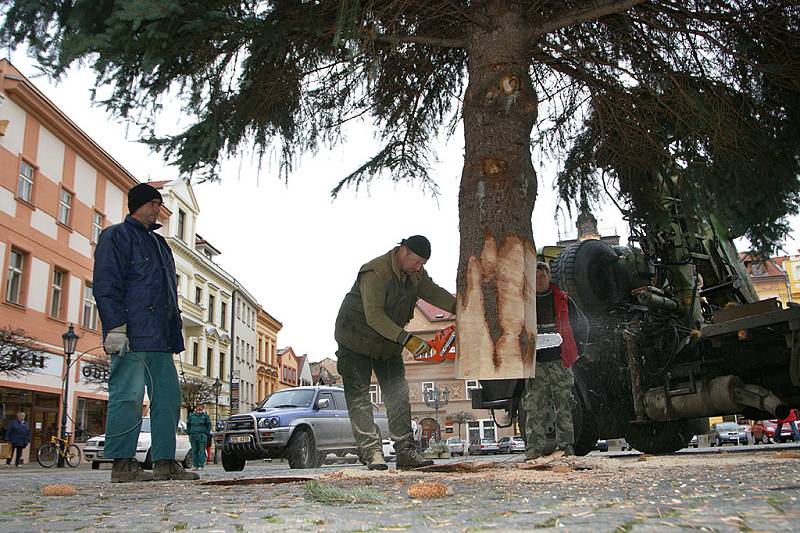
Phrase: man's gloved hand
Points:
(116, 340)
(416, 345)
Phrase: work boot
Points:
(375, 461)
(128, 471)
(568, 450)
(164, 469)
(410, 459)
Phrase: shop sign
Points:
(94, 373)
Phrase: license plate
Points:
(240, 438)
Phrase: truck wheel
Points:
(592, 274)
(302, 453)
(232, 463)
(659, 438)
(584, 426)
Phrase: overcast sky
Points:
(293, 247)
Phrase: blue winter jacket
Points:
(134, 284)
(18, 433)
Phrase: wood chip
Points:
(59, 490)
(426, 490)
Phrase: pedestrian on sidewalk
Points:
(18, 434)
(792, 421)
(548, 396)
(198, 426)
(369, 332)
(134, 287)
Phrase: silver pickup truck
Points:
(301, 424)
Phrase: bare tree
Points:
(19, 353)
(195, 390)
(462, 418)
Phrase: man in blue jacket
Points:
(18, 434)
(134, 287)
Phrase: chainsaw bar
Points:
(447, 352)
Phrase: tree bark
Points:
(496, 284)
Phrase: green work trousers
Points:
(356, 371)
(548, 403)
(198, 442)
(130, 373)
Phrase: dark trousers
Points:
(356, 371)
(18, 451)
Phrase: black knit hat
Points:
(419, 245)
(140, 195)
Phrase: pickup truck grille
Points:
(235, 423)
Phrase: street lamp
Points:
(216, 387)
(437, 398)
(70, 339)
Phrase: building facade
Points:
(267, 329)
(288, 370)
(205, 293)
(58, 190)
(768, 277)
(790, 264)
(244, 349)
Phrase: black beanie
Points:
(419, 245)
(140, 195)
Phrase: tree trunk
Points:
(496, 284)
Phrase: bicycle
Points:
(48, 454)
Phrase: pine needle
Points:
(335, 495)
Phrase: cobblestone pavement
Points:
(737, 492)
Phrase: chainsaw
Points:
(443, 345)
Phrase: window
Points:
(427, 385)
(211, 308)
(327, 396)
(223, 315)
(65, 207)
(181, 225)
(25, 182)
(238, 308)
(471, 385)
(57, 298)
(15, 273)
(198, 295)
(196, 353)
(89, 308)
(97, 226)
(178, 283)
(209, 361)
(221, 366)
(375, 393)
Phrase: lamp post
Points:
(70, 339)
(216, 387)
(437, 398)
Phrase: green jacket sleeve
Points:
(373, 293)
(429, 291)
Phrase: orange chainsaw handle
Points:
(442, 347)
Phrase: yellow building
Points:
(768, 277)
(791, 266)
(267, 329)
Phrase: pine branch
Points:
(335, 495)
(585, 14)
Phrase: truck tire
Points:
(301, 450)
(659, 438)
(592, 274)
(232, 463)
(584, 426)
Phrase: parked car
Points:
(301, 424)
(601, 445)
(388, 450)
(786, 431)
(483, 447)
(93, 451)
(727, 433)
(455, 445)
(513, 444)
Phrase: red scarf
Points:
(569, 350)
